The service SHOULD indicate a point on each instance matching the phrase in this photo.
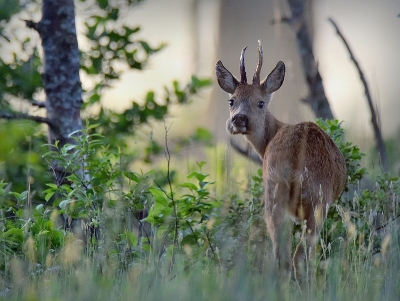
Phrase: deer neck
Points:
(264, 134)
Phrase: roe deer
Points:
(303, 169)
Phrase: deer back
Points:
(305, 160)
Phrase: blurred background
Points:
(199, 32)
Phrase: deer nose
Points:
(240, 120)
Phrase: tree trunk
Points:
(316, 99)
(61, 71)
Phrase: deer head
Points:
(248, 102)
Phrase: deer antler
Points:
(256, 76)
(243, 78)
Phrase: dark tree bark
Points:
(316, 99)
(61, 70)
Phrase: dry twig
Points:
(380, 146)
(171, 197)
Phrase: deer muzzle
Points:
(238, 124)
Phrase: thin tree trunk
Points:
(316, 98)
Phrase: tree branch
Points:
(282, 20)
(31, 24)
(380, 146)
(246, 152)
(388, 223)
(27, 117)
(39, 104)
(316, 99)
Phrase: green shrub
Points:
(192, 242)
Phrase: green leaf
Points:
(54, 153)
(132, 238)
(202, 163)
(40, 208)
(63, 204)
(71, 135)
(146, 246)
(161, 200)
(48, 196)
(103, 3)
(189, 185)
(132, 176)
(199, 176)
(13, 231)
(149, 172)
(204, 184)
(157, 192)
(68, 147)
(93, 126)
(113, 14)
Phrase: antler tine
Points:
(256, 76)
(243, 77)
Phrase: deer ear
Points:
(275, 79)
(226, 80)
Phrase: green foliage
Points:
(34, 236)
(240, 226)
(188, 217)
(20, 157)
(110, 43)
(117, 126)
(187, 232)
(202, 136)
(358, 214)
(359, 217)
(94, 192)
(7, 9)
(351, 153)
(20, 79)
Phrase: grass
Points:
(342, 280)
(208, 241)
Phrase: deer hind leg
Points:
(279, 226)
(305, 250)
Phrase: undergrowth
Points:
(107, 232)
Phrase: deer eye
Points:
(260, 104)
(231, 102)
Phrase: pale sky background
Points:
(192, 28)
